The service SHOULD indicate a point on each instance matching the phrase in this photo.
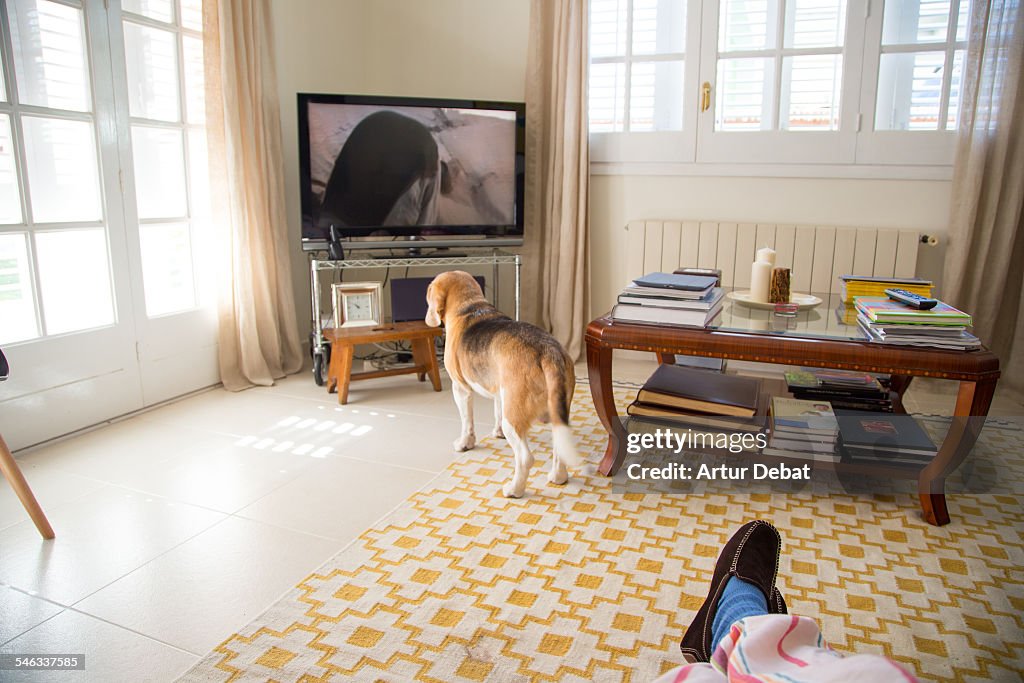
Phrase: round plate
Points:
(803, 301)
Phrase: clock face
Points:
(358, 307)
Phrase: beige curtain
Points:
(258, 336)
(984, 270)
(556, 286)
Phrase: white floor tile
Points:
(51, 486)
(100, 537)
(203, 590)
(339, 500)
(133, 445)
(22, 612)
(402, 394)
(111, 653)
(218, 474)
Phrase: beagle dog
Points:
(523, 369)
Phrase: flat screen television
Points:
(382, 170)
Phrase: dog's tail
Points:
(561, 381)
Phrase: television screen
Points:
(378, 169)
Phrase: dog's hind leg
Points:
(464, 401)
(558, 474)
(516, 486)
(497, 433)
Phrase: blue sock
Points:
(739, 599)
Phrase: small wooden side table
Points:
(343, 341)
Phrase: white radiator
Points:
(817, 255)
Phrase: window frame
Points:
(919, 147)
(856, 150)
(99, 117)
(654, 146)
(187, 127)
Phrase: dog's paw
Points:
(510, 490)
(558, 478)
(497, 433)
(464, 443)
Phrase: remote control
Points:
(921, 303)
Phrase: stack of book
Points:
(852, 286)
(891, 322)
(842, 389)
(701, 399)
(883, 439)
(670, 299)
(802, 429)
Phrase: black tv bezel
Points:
(361, 238)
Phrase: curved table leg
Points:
(972, 401)
(599, 370)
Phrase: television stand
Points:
(320, 349)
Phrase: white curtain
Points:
(258, 336)
(984, 270)
(556, 287)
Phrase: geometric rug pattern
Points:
(580, 583)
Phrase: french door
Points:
(104, 301)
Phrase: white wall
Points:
(442, 48)
(478, 49)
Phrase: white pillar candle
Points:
(760, 280)
(766, 255)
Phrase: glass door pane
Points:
(74, 273)
(195, 79)
(63, 171)
(192, 14)
(159, 160)
(167, 268)
(152, 62)
(17, 305)
(10, 199)
(161, 10)
(50, 61)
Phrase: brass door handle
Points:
(705, 96)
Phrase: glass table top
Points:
(828, 320)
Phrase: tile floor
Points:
(177, 526)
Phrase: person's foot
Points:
(752, 554)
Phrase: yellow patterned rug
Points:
(578, 583)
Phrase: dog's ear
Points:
(435, 305)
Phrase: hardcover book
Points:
(705, 303)
(799, 415)
(881, 436)
(883, 310)
(673, 386)
(656, 315)
(754, 423)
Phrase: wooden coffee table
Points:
(817, 339)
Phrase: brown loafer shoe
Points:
(752, 554)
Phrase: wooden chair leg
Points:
(13, 474)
